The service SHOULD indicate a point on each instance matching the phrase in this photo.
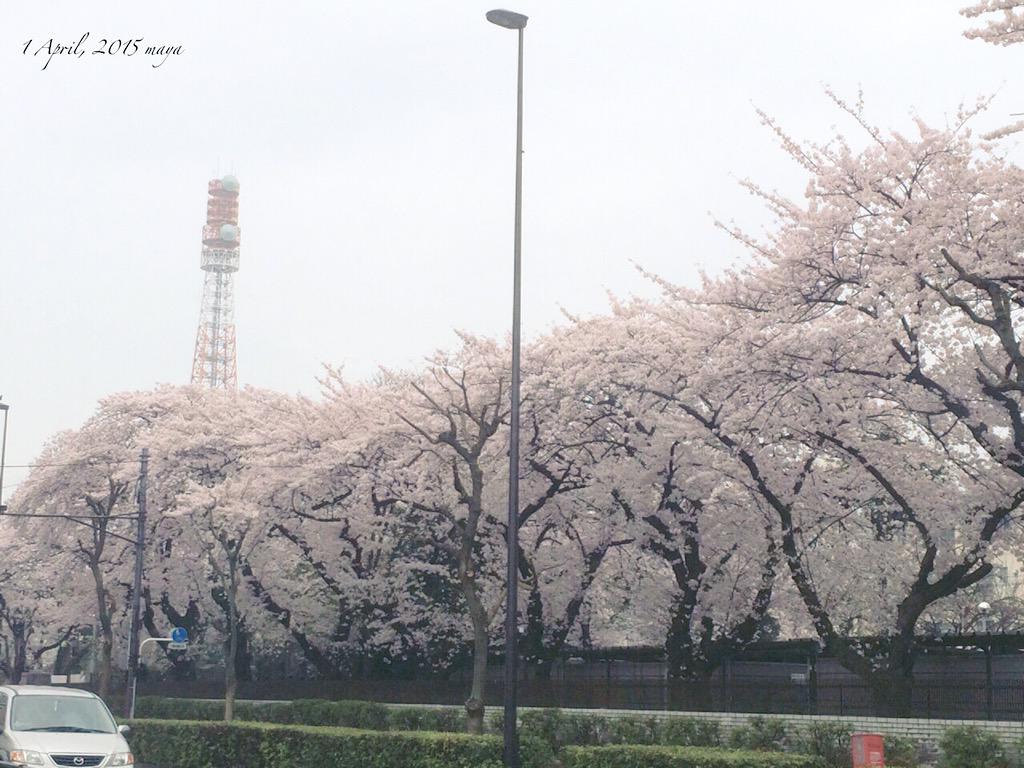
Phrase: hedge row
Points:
(367, 715)
(181, 744)
(646, 756)
(561, 729)
(555, 728)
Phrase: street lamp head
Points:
(507, 19)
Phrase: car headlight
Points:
(27, 757)
(122, 758)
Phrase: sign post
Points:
(178, 641)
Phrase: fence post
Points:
(726, 689)
(812, 681)
(988, 680)
(607, 683)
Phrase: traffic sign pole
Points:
(178, 641)
(140, 552)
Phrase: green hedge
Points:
(425, 719)
(180, 744)
(556, 728)
(761, 733)
(967, 746)
(830, 741)
(681, 757)
(560, 729)
(367, 715)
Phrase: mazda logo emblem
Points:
(79, 761)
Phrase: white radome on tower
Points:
(214, 364)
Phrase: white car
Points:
(46, 726)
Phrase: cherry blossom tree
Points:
(33, 617)
(81, 491)
(337, 520)
(563, 553)
(678, 500)
(444, 437)
(1007, 28)
(863, 374)
(213, 490)
(441, 432)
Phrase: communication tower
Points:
(214, 364)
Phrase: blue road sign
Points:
(179, 635)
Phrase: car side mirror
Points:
(124, 730)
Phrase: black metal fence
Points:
(965, 701)
(955, 678)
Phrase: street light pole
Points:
(3, 454)
(516, 21)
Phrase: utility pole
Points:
(140, 553)
(3, 455)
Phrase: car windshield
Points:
(60, 714)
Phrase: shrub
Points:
(423, 719)
(760, 734)
(406, 719)
(179, 709)
(549, 725)
(588, 729)
(901, 752)
(965, 746)
(350, 714)
(178, 744)
(831, 742)
(681, 757)
(495, 722)
(688, 732)
(632, 730)
(559, 729)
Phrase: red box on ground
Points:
(867, 750)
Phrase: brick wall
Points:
(928, 731)
(924, 731)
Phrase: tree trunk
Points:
(475, 702)
(533, 640)
(478, 615)
(230, 672)
(106, 631)
(545, 651)
(244, 659)
(891, 694)
(892, 689)
(585, 639)
(20, 654)
(689, 671)
(105, 664)
(681, 650)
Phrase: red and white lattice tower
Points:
(214, 364)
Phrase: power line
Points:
(94, 462)
(87, 518)
(71, 463)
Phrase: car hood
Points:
(70, 743)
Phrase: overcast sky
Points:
(374, 143)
